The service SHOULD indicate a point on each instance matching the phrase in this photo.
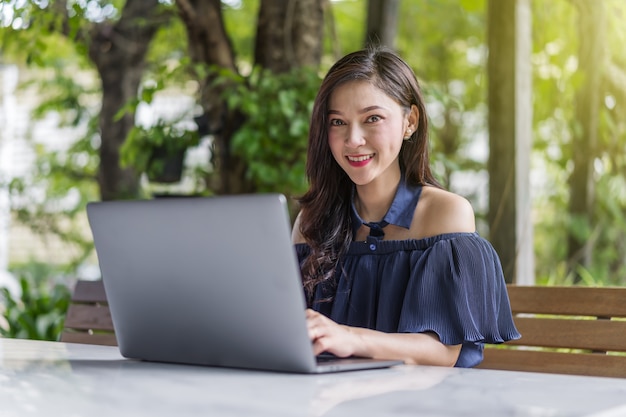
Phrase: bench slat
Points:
(573, 300)
(555, 362)
(576, 334)
(107, 339)
(88, 317)
(89, 292)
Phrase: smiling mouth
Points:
(359, 158)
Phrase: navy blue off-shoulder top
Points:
(450, 284)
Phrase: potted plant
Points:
(158, 150)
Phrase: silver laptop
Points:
(207, 281)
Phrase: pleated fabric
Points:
(449, 284)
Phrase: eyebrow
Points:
(364, 110)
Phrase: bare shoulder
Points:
(296, 235)
(439, 211)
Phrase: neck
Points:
(372, 201)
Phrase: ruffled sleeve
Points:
(457, 290)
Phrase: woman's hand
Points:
(412, 348)
(328, 336)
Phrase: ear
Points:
(411, 122)
(413, 118)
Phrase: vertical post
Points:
(585, 132)
(8, 83)
(510, 137)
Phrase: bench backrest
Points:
(570, 330)
(88, 319)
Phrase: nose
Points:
(354, 136)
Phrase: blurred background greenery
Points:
(99, 70)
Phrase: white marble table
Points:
(59, 379)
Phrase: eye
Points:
(374, 118)
(336, 122)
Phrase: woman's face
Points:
(365, 132)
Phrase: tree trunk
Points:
(382, 22)
(591, 26)
(119, 52)
(289, 34)
(210, 46)
(510, 124)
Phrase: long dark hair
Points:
(325, 208)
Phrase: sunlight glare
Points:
(609, 102)
(18, 23)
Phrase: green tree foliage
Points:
(62, 75)
(51, 197)
(556, 79)
(273, 137)
(444, 42)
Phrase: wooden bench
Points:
(569, 330)
(88, 319)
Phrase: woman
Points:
(391, 262)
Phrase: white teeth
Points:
(359, 158)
